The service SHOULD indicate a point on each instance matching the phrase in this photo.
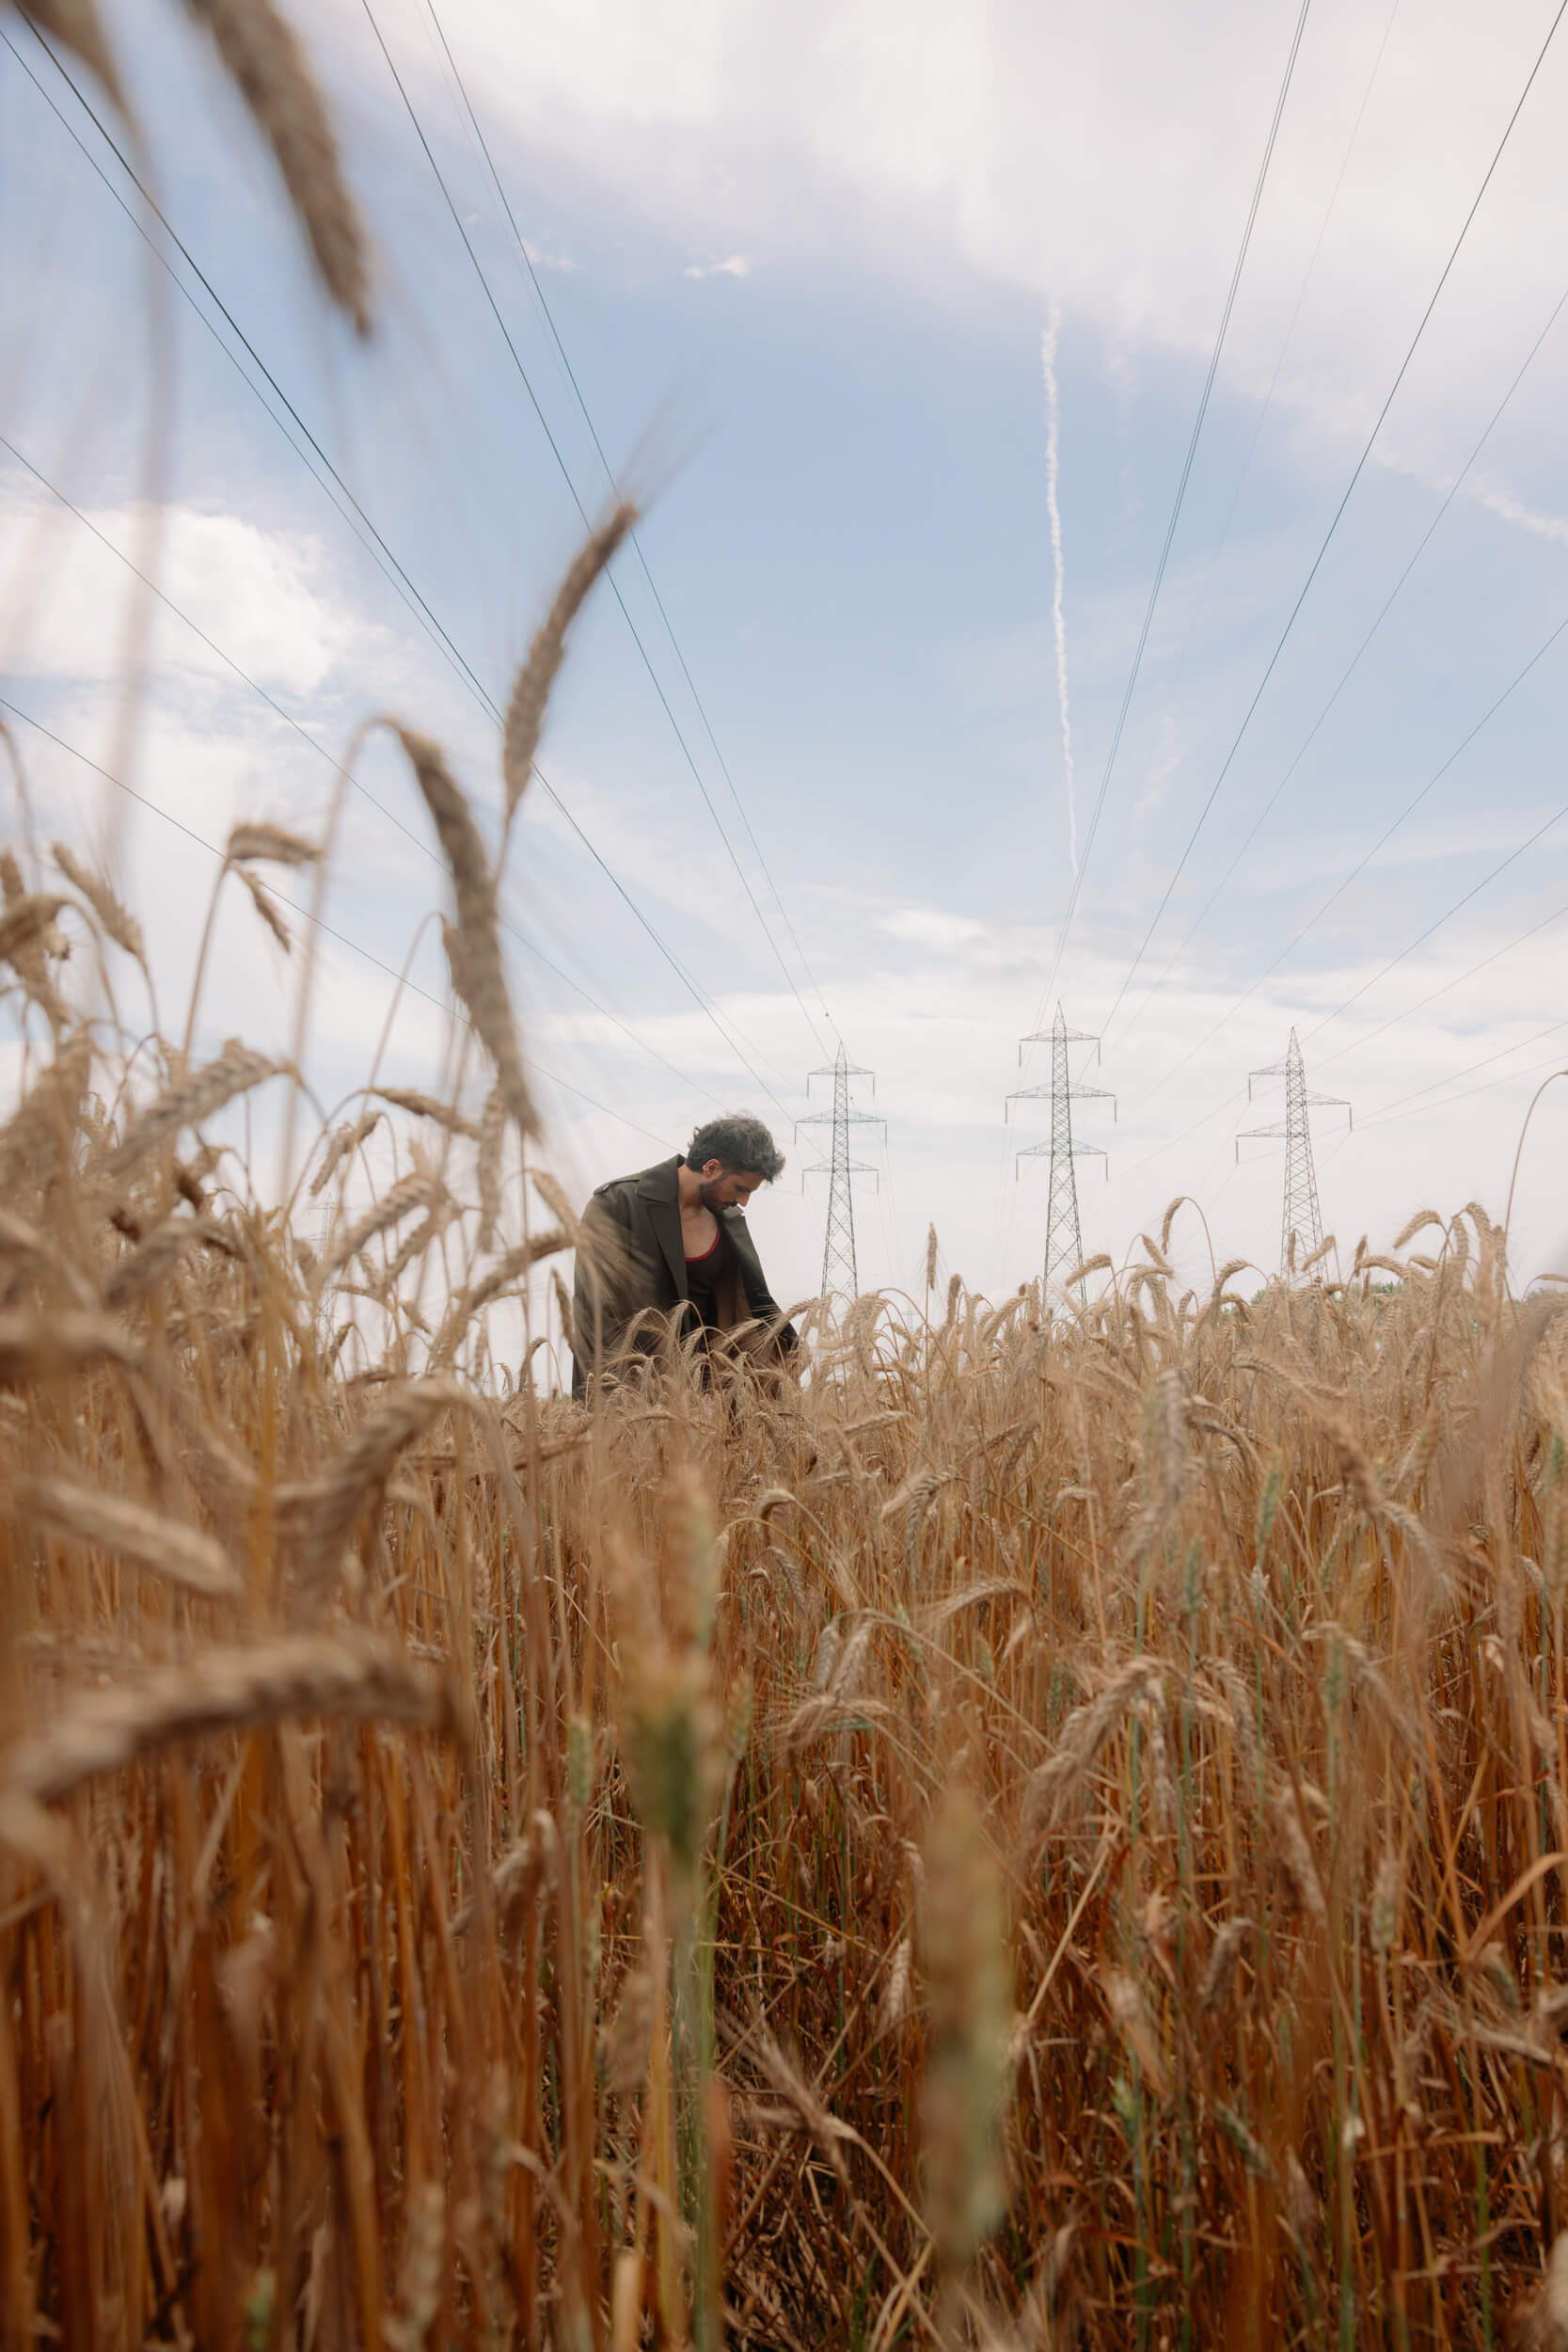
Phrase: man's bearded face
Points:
(726, 1189)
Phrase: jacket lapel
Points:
(746, 1256)
(657, 1189)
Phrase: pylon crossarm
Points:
(1063, 1037)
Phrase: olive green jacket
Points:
(632, 1259)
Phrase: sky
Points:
(897, 321)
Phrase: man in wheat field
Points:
(669, 1249)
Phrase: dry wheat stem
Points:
(263, 57)
(115, 919)
(525, 711)
(111, 1523)
(191, 1098)
(221, 1691)
(474, 954)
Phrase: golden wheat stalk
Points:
(31, 1349)
(525, 711)
(77, 26)
(116, 920)
(235, 1072)
(418, 1191)
(477, 971)
(111, 1523)
(492, 1138)
(418, 1106)
(344, 1141)
(318, 1516)
(25, 924)
(218, 1691)
(270, 845)
(501, 1278)
(262, 899)
(262, 55)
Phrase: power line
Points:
(430, 621)
(321, 753)
(305, 913)
(555, 451)
(1359, 867)
(1333, 525)
(635, 536)
(1432, 995)
(1391, 1110)
(1207, 1117)
(385, 560)
(1175, 515)
(1421, 940)
(1346, 675)
(1288, 338)
(1002, 1221)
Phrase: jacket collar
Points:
(659, 1188)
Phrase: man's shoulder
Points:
(622, 1187)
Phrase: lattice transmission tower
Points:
(1064, 1240)
(1301, 1220)
(839, 1277)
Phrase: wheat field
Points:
(1048, 1831)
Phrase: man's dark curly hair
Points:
(740, 1144)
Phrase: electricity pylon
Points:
(1064, 1241)
(1300, 1219)
(839, 1278)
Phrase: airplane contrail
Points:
(1053, 436)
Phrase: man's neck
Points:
(688, 1188)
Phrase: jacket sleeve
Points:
(599, 1307)
(760, 1299)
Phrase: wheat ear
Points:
(492, 1136)
(321, 1512)
(77, 26)
(116, 920)
(524, 712)
(426, 1107)
(228, 1689)
(478, 971)
(206, 1091)
(270, 843)
(260, 899)
(110, 1523)
(345, 1140)
(23, 925)
(263, 57)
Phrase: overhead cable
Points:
(1174, 516)
(424, 846)
(432, 623)
(521, 244)
(305, 913)
(461, 227)
(1460, 479)
(1338, 512)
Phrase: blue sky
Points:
(802, 262)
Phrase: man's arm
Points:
(599, 1305)
(759, 1298)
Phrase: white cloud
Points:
(1095, 154)
(737, 266)
(542, 258)
(929, 926)
(263, 595)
